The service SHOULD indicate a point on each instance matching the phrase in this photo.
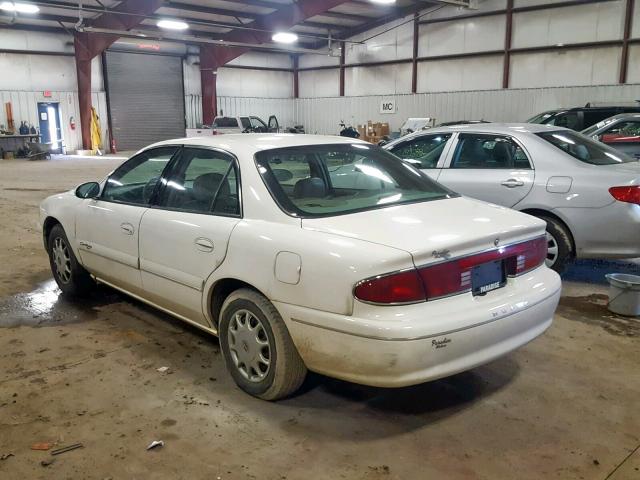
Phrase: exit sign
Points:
(46, 94)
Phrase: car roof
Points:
(623, 116)
(251, 143)
(499, 128)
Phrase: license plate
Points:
(487, 277)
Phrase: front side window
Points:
(584, 149)
(424, 151)
(567, 120)
(327, 180)
(542, 117)
(482, 151)
(258, 124)
(246, 123)
(205, 181)
(135, 181)
(622, 132)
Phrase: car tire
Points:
(560, 248)
(251, 330)
(71, 277)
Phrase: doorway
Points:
(50, 126)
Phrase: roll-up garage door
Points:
(146, 98)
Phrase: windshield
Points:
(327, 180)
(542, 117)
(585, 149)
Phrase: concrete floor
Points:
(566, 406)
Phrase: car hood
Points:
(429, 230)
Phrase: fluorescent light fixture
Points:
(19, 7)
(383, 2)
(284, 37)
(172, 24)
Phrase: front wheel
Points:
(70, 276)
(559, 246)
(257, 347)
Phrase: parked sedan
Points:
(308, 253)
(621, 132)
(587, 193)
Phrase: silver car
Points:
(621, 132)
(587, 192)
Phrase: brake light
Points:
(450, 277)
(402, 287)
(629, 194)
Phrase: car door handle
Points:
(512, 183)
(127, 228)
(204, 244)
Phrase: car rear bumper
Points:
(407, 345)
(608, 232)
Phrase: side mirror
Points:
(88, 190)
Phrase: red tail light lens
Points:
(449, 278)
(626, 194)
(402, 287)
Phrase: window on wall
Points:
(480, 151)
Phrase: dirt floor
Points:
(566, 406)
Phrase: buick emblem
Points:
(496, 242)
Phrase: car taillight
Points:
(629, 194)
(449, 277)
(401, 287)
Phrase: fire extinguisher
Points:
(72, 123)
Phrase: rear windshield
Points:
(225, 122)
(328, 180)
(585, 149)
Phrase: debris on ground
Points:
(4, 456)
(163, 369)
(194, 401)
(46, 463)
(155, 444)
(41, 446)
(68, 448)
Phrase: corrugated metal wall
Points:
(25, 107)
(283, 108)
(323, 115)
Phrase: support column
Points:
(624, 61)
(507, 45)
(208, 78)
(296, 85)
(414, 60)
(83, 73)
(343, 55)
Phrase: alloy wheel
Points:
(552, 251)
(249, 346)
(61, 260)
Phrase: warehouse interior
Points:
(84, 85)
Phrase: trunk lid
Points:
(430, 231)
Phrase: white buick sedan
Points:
(308, 253)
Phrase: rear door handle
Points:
(204, 244)
(127, 228)
(512, 183)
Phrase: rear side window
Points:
(423, 151)
(585, 149)
(225, 122)
(569, 120)
(481, 151)
(591, 117)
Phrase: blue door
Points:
(50, 126)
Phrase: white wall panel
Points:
(477, 6)
(381, 80)
(25, 107)
(322, 115)
(633, 71)
(319, 83)
(576, 24)
(474, 73)
(574, 67)
(635, 21)
(25, 40)
(262, 59)
(462, 36)
(393, 44)
(233, 82)
(310, 60)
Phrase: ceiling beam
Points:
(187, 7)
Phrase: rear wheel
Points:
(559, 247)
(70, 276)
(257, 347)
